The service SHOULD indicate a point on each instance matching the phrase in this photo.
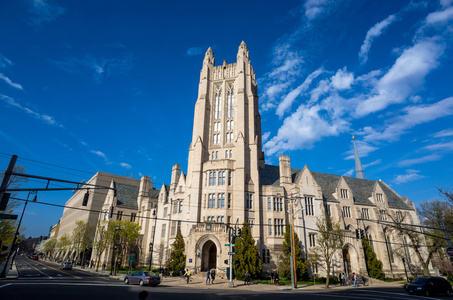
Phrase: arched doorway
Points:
(208, 256)
(347, 261)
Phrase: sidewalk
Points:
(10, 274)
(223, 283)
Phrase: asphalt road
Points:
(43, 280)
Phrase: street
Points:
(43, 280)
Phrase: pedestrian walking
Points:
(363, 279)
(212, 275)
(166, 272)
(246, 275)
(277, 279)
(339, 279)
(208, 277)
(272, 276)
(343, 279)
(354, 278)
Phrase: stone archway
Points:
(208, 256)
(350, 259)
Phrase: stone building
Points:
(227, 182)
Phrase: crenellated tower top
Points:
(209, 57)
(243, 52)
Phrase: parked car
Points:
(66, 266)
(142, 278)
(35, 257)
(429, 286)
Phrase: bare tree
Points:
(160, 251)
(81, 238)
(329, 240)
(424, 248)
(104, 237)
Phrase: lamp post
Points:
(151, 244)
(113, 262)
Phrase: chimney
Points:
(285, 169)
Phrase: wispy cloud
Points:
(349, 173)
(4, 62)
(319, 8)
(99, 68)
(99, 153)
(373, 33)
(42, 117)
(410, 175)
(126, 165)
(376, 162)
(441, 147)
(44, 11)
(444, 133)
(194, 51)
(440, 16)
(10, 82)
(419, 160)
(404, 78)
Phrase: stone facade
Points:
(228, 183)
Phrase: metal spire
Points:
(358, 165)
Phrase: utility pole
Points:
(293, 252)
(3, 187)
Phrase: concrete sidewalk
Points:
(11, 273)
(223, 283)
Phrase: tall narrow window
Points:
(180, 207)
(270, 226)
(218, 104)
(230, 102)
(229, 177)
(229, 200)
(312, 239)
(133, 216)
(164, 229)
(119, 215)
(221, 200)
(269, 203)
(309, 208)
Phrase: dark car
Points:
(66, 266)
(429, 286)
(142, 278)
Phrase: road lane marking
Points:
(38, 270)
(59, 270)
(5, 285)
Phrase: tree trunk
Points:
(328, 274)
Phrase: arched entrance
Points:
(347, 261)
(208, 256)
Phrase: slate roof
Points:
(154, 193)
(126, 195)
(362, 189)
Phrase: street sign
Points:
(231, 253)
(450, 251)
(228, 245)
(8, 217)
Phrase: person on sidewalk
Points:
(363, 279)
(272, 276)
(187, 274)
(246, 275)
(343, 279)
(354, 278)
(208, 277)
(339, 279)
(212, 275)
(277, 279)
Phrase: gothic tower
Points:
(226, 148)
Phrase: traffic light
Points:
(357, 234)
(4, 201)
(362, 233)
(85, 198)
(239, 232)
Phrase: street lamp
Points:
(113, 262)
(151, 244)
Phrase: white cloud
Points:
(194, 51)
(4, 62)
(419, 160)
(265, 136)
(8, 81)
(349, 173)
(306, 126)
(404, 78)
(318, 8)
(45, 11)
(376, 162)
(99, 153)
(441, 146)
(373, 33)
(414, 115)
(285, 105)
(126, 165)
(42, 117)
(440, 16)
(410, 175)
(342, 80)
(444, 133)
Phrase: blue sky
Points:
(111, 86)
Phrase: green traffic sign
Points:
(228, 245)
